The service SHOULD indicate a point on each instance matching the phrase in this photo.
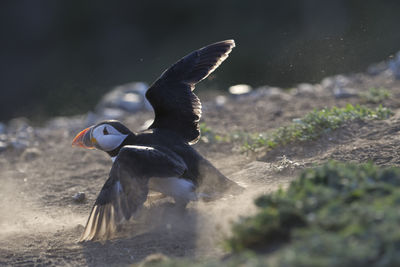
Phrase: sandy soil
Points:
(40, 222)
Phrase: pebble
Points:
(388, 68)
(220, 101)
(128, 97)
(131, 101)
(3, 146)
(274, 93)
(339, 92)
(19, 144)
(339, 86)
(3, 128)
(153, 259)
(20, 134)
(17, 125)
(79, 197)
(267, 91)
(31, 153)
(336, 81)
(377, 68)
(240, 89)
(3, 137)
(394, 65)
(304, 89)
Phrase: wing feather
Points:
(176, 107)
(126, 189)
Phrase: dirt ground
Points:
(40, 223)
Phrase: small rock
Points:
(377, 68)
(277, 113)
(79, 197)
(17, 125)
(3, 146)
(330, 83)
(305, 89)
(339, 86)
(220, 101)
(394, 65)
(19, 144)
(286, 164)
(268, 91)
(274, 93)
(79, 228)
(341, 81)
(131, 101)
(31, 154)
(3, 128)
(128, 97)
(21, 134)
(340, 92)
(327, 83)
(153, 259)
(240, 89)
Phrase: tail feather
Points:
(213, 183)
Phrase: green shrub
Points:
(375, 95)
(334, 215)
(313, 125)
(310, 127)
(337, 214)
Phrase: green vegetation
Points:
(338, 214)
(375, 95)
(310, 127)
(334, 215)
(314, 124)
(208, 135)
(244, 259)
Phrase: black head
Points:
(109, 136)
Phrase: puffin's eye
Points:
(105, 132)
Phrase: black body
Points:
(200, 171)
(164, 149)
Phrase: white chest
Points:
(175, 187)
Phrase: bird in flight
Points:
(159, 158)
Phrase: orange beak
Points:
(84, 140)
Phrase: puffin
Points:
(161, 157)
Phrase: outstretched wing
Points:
(176, 107)
(126, 188)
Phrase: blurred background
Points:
(60, 57)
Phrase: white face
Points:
(107, 137)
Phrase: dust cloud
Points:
(21, 211)
(37, 213)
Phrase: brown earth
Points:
(40, 223)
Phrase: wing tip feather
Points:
(230, 42)
(100, 225)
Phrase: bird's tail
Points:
(213, 184)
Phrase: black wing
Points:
(176, 107)
(126, 188)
